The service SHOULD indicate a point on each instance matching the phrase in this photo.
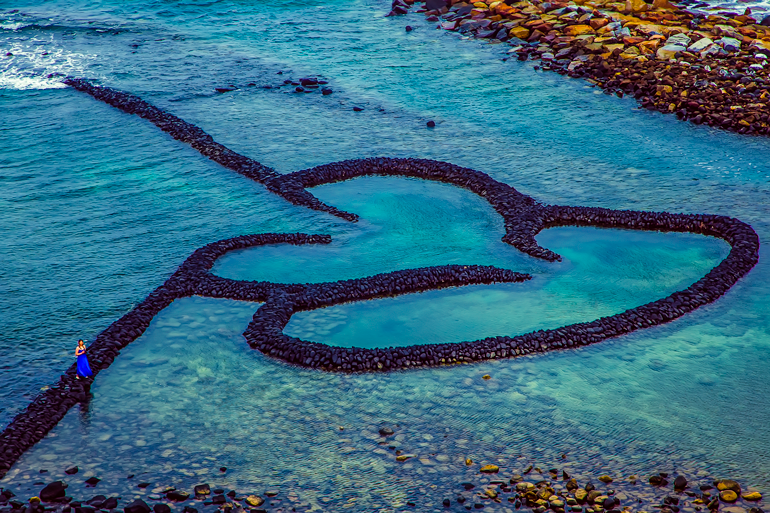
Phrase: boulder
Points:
(579, 30)
(700, 45)
(597, 23)
(520, 32)
(728, 484)
(490, 469)
(254, 501)
(202, 489)
(752, 496)
(669, 52)
(678, 39)
(138, 506)
(664, 4)
(53, 491)
(177, 496)
(728, 496)
(161, 508)
(730, 44)
(635, 6)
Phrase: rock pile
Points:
(706, 68)
(523, 218)
(547, 493)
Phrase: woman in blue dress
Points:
(84, 369)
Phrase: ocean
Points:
(97, 208)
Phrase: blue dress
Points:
(84, 370)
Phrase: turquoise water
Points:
(97, 208)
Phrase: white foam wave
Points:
(33, 65)
(10, 25)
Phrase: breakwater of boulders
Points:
(523, 217)
(705, 67)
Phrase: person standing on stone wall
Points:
(84, 370)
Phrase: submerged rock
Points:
(728, 496)
(254, 500)
(53, 491)
(138, 506)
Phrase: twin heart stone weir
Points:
(523, 218)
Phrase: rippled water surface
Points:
(97, 208)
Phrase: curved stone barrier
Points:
(523, 218)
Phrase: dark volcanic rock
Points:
(138, 506)
(202, 489)
(177, 496)
(110, 503)
(53, 491)
(161, 508)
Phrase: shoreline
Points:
(557, 487)
(708, 69)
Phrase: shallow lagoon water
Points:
(99, 208)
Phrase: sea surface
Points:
(97, 208)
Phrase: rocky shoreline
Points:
(488, 487)
(523, 218)
(709, 69)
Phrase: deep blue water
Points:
(99, 207)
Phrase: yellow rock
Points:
(648, 47)
(612, 48)
(577, 30)
(728, 484)
(254, 500)
(520, 32)
(491, 493)
(752, 496)
(468, 462)
(651, 28)
(581, 494)
(667, 52)
(486, 376)
(480, 5)
(605, 479)
(403, 457)
(634, 6)
(663, 4)
(663, 89)
(728, 496)
(494, 5)
(490, 469)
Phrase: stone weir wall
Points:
(523, 218)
